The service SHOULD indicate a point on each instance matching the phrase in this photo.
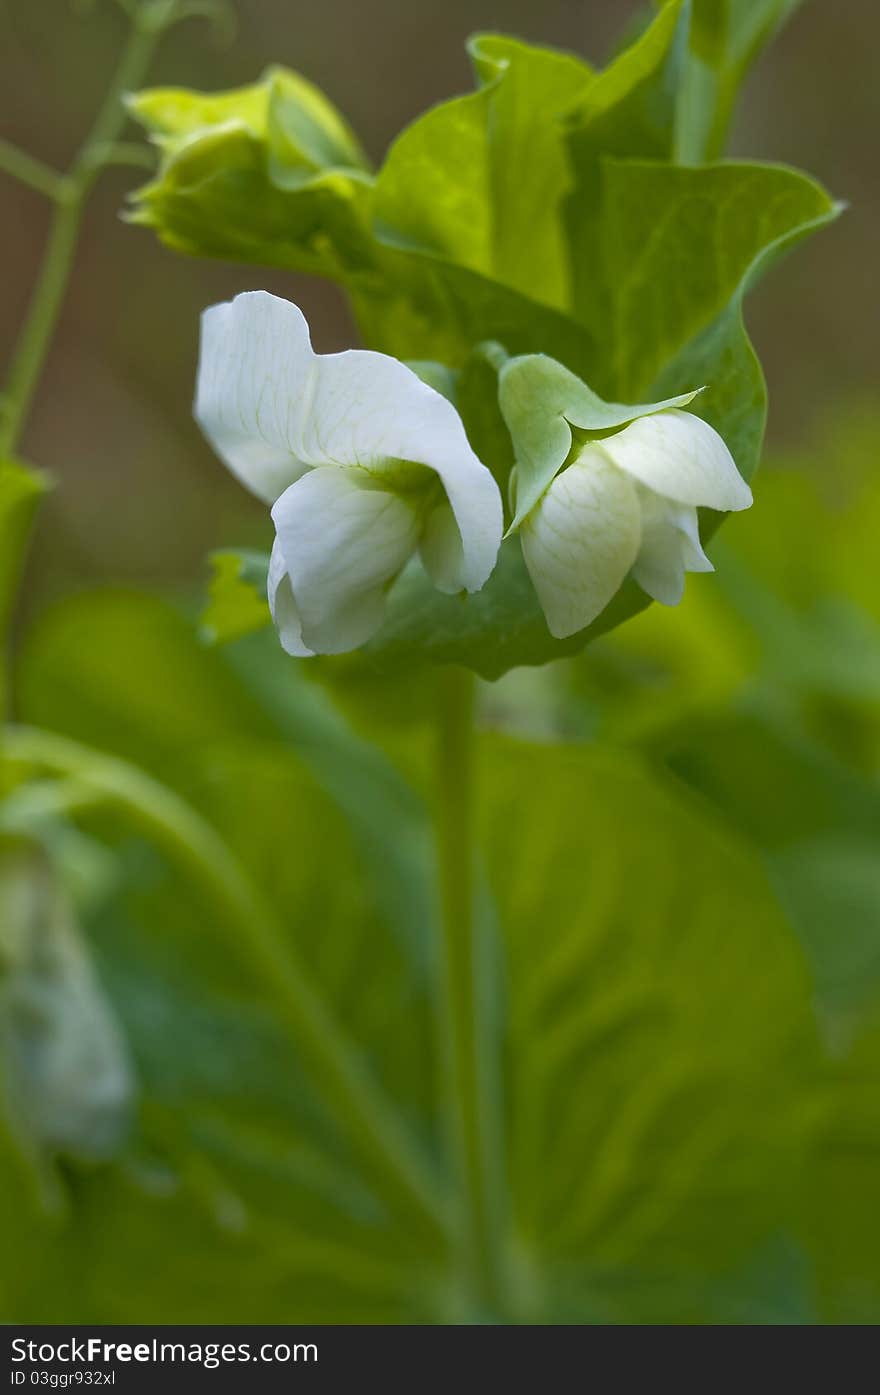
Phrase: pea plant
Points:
(360, 1010)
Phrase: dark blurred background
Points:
(140, 497)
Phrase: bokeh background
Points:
(141, 497)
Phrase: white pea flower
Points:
(602, 489)
(362, 462)
(628, 502)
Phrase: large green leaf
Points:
(465, 180)
(679, 248)
(630, 110)
(466, 217)
(651, 1079)
(126, 673)
(239, 1166)
(654, 1075)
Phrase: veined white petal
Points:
(580, 540)
(670, 547)
(342, 541)
(370, 410)
(441, 549)
(283, 606)
(272, 408)
(255, 381)
(682, 457)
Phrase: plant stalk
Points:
(69, 193)
(468, 1093)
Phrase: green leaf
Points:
(499, 628)
(241, 179)
(423, 307)
(238, 1166)
(173, 116)
(679, 249)
(237, 605)
(631, 1201)
(306, 133)
(268, 173)
(126, 673)
(713, 231)
(631, 107)
(453, 201)
(302, 127)
(476, 398)
(464, 180)
(630, 110)
(239, 1157)
(655, 1078)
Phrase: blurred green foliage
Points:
(687, 915)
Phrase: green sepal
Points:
(541, 401)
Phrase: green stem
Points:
(468, 1093)
(29, 171)
(69, 193)
(349, 1089)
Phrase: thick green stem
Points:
(471, 1125)
(69, 193)
(349, 1089)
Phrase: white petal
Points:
(695, 559)
(580, 541)
(283, 606)
(441, 550)
(342, 540)
(256, 376)
(370, 410)
(272, 407)
(682, 457)
(670, 547)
